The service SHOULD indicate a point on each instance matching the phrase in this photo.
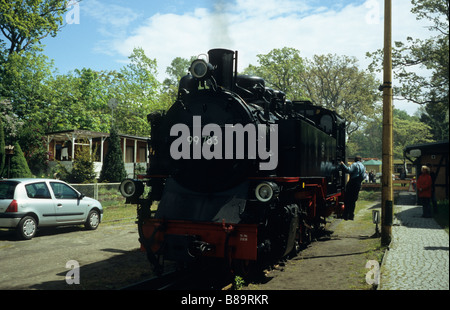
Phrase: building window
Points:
(129, 156)
(142, 155)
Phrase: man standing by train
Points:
(357, 173)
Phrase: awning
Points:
(372, 162)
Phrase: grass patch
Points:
(369, 196)
(119, 213)
(372, 246)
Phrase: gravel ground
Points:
(108, 258)
(334, 263)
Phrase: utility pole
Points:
(387, 194)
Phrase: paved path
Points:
(418, 256)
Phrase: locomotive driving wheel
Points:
(305, 235)
(298, 243)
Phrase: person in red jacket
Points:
(423, 186)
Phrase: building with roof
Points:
(372, 165)
(435, 154)
(62, 146)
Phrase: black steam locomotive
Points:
(237, 171)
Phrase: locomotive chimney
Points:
(223, 61)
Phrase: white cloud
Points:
(109, 15)
(257, 26)
(113, 21)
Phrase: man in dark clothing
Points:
(357, 173)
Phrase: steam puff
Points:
(220, 21)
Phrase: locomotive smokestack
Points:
(223, 62)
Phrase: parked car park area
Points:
(106, 258)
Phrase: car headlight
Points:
(131, 188)
(266, 191)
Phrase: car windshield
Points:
(7, 189)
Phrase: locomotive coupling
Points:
(197, 248)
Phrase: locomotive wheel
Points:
(305, 237)
(298, 244)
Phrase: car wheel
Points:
(93, 220)
(27, 228)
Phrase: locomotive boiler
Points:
(237, 171)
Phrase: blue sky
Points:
(100, 34)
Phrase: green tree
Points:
(2, 147)
(18, 166)
(12, 124)
(281, 69)
(24, 82)
(78, 101)
(135, 87)
(178, 68)
(33, 138)
(337, 83)
(367, 141)
(407, 130)
(429, 89)
(24, 23)
(436, 117)
(83, 167)
(113, 169)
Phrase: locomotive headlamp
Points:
(131, 188)
(200, 69)
(266, 191)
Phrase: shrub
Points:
(83, 167)
(113, 169)
(18, 166)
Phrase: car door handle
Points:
(59, 205)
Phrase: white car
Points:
(26, 204)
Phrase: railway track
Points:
(210, 277)
(213, 275)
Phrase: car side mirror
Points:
(81, 196)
